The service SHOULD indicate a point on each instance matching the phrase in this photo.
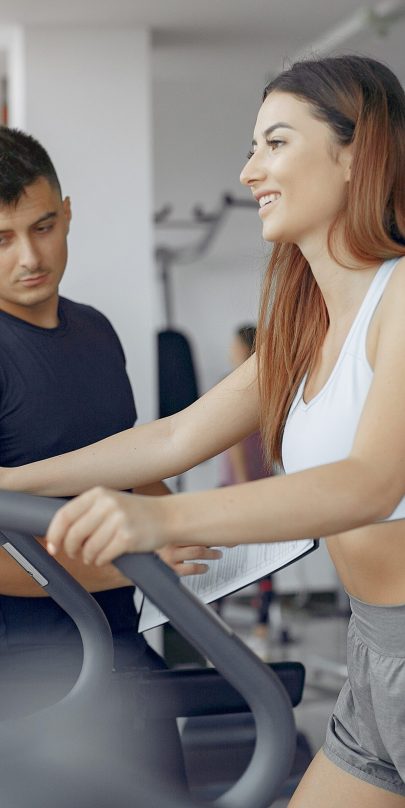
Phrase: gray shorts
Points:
(366, 733)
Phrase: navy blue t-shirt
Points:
(60, 389)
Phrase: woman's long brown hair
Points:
(364, 104)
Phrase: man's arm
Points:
(15, 582)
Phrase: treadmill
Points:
(65, 754)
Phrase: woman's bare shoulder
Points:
(393, 300)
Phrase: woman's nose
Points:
(253, 171)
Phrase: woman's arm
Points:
(183, 559)
(102, 524)
(154, 451)
(360, 490)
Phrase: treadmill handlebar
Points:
(260, 687)
(90, 620)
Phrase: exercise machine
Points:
(67, 753)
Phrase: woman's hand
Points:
(186, 560)
(101, 525)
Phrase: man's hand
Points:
(185, 560)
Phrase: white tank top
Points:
(323, 430)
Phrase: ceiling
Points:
(193, 19)
(199, 38)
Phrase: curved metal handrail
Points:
(267, 698)
(90, 620)
(271, 707)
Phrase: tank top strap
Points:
(355, 341)
(358, 331)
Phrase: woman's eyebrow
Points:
(270, 129)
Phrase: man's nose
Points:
(29, 258)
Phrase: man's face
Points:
(33, 250)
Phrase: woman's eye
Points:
(275, 144)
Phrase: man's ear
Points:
(67, 209)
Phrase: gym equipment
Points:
(177, 377)
(71, 747)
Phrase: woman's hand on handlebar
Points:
(101, 525)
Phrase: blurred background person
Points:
(241, 463)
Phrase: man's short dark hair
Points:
(23, 161)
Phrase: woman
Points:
(327, 384)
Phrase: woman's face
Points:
(296, 171)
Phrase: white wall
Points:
(87, 99)
(203, 128)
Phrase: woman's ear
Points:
(346, 158)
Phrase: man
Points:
(63, 385)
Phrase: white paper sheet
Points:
(238, 567)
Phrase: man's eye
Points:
(44, 228)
